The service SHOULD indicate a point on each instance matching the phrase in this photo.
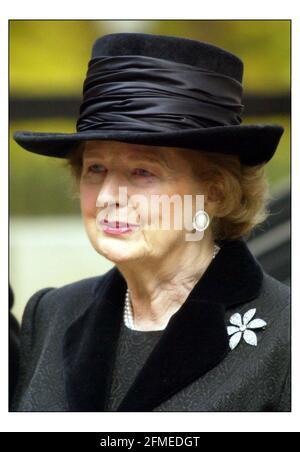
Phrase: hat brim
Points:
(254, 144)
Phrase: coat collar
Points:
(194, 341)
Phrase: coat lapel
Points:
(89, 346)
(194, 341)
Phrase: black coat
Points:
(69, 337)
(14, 346)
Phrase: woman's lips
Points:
(117, 227)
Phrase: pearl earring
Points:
(201, 220)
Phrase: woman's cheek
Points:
(88, 199)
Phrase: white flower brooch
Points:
(243, 328)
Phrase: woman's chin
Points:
(117, 251)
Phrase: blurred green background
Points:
(49, 59)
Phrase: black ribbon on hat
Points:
(145, 94)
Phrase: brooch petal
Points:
(250, 338)
(236, 319)
(257, 323)
(248, 316)
(232, 329)
(234, 340)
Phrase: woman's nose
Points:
(110, 190)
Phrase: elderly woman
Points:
(186, 320)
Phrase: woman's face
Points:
(139, 170)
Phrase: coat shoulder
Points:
(274, 284)
(65, 303)
(276, 293)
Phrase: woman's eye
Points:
(142, 172)
(95, 168)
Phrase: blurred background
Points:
(48, 62)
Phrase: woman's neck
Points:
(158, 290)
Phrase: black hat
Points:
(162, 91)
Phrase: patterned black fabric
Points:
(134, 347)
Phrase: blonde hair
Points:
(237, 192)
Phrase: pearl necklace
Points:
(128, 315)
